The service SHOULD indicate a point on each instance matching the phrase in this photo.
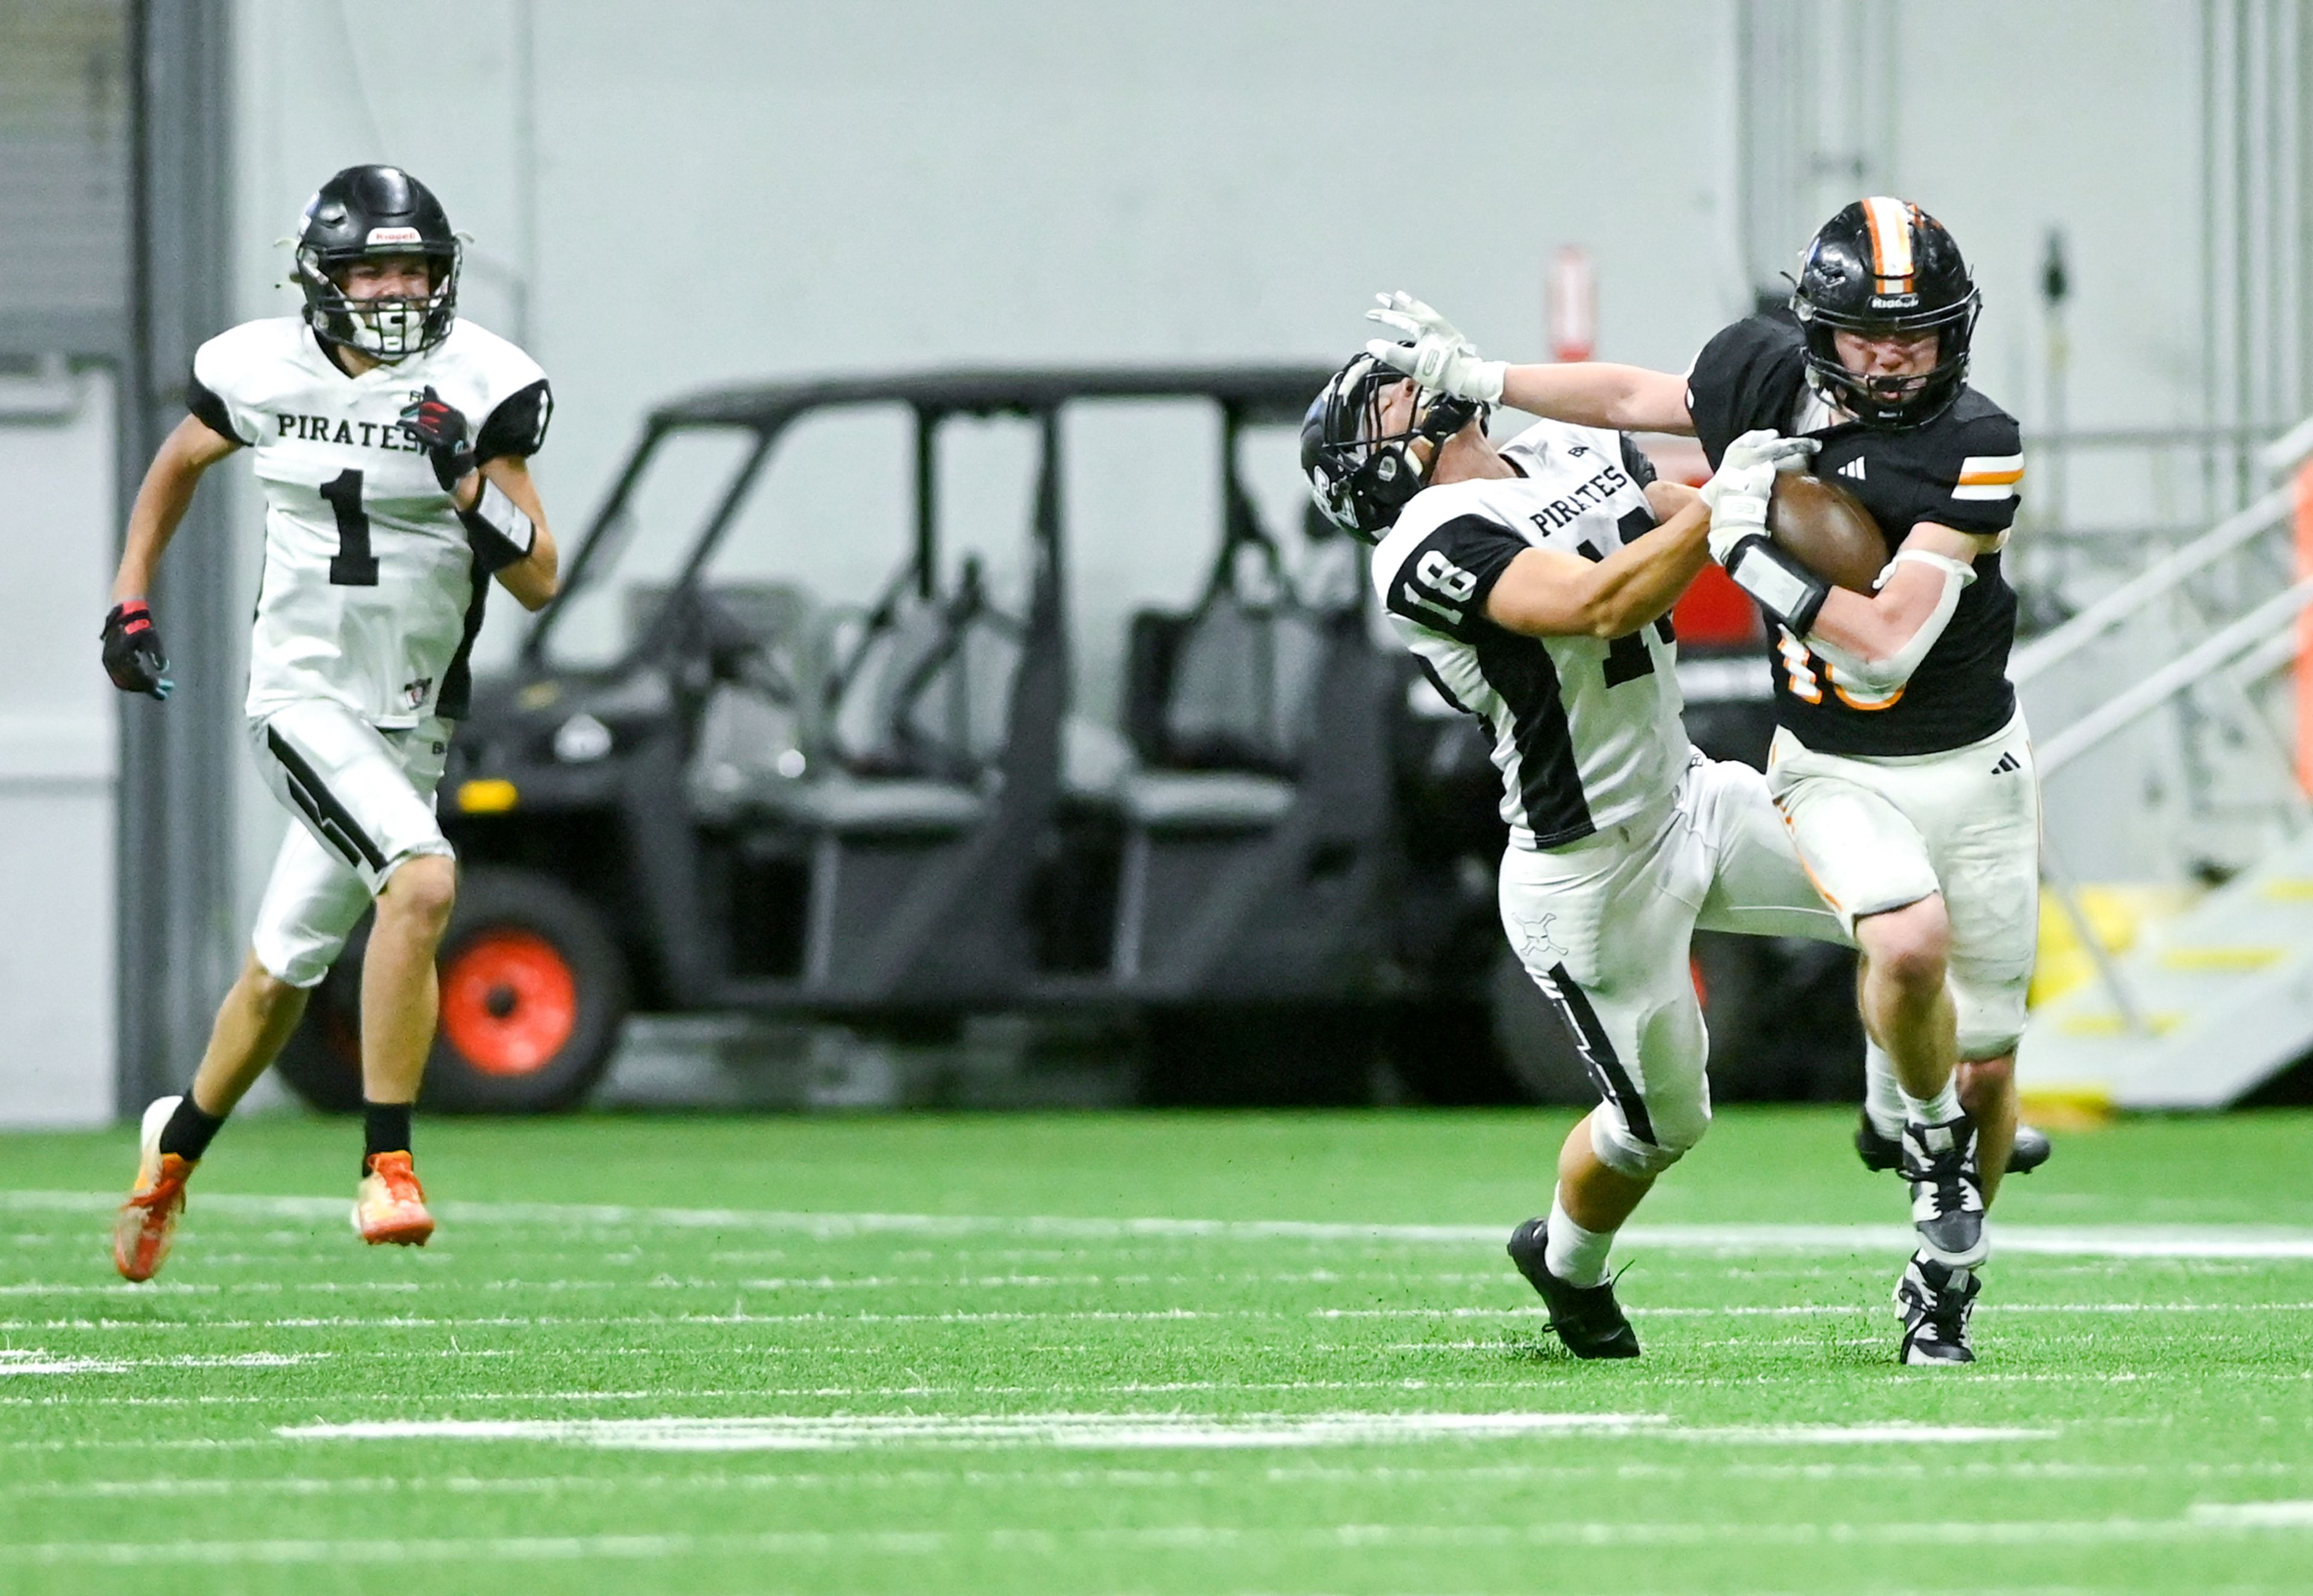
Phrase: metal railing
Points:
(2237, 656)
(2155, 582)
(2190, 475)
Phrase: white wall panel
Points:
(56, 764)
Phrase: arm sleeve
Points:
(1443, 583)
(1981, 477)
(518, 428)
(1748, 376)
(209, 409)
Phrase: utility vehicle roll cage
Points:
(1246, 395)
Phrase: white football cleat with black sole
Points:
(1934, 1301)
(1946, 1191)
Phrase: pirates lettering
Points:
(385, 435)
(1561, 512)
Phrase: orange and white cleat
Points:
(392, 1206)
(148, 1221)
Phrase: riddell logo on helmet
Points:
(394, 235)
(1895, 301)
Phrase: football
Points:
(1829, 530)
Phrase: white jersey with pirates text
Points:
(1587, 731)
(370, 597)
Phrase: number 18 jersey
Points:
(1587, 731)
(370, 597)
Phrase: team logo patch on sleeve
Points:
(1989, 477)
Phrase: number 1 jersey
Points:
(370, 597)
(1587, 731)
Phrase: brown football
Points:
(1829, 530)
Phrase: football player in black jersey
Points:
(1901, 763)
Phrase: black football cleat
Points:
(1934, 1302)
(1946, 1191)
(1586, 1318)
(2029, 1151)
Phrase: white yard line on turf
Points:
(1112, 1431)
(1049, 1478)
(2268, 1516)
(1516, 1315)
(2208, 1241)
(852, 1544)
(35, 1361)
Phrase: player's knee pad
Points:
(1623, 1151)
(1994, 1041)
(295, 956)
(1990, 1007)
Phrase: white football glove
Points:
(1440, 359)
(1737, 496)
(1761, 445)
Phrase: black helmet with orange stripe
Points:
(1886, 267)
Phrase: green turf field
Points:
(1148, 1354)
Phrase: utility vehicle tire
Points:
(322, 1060)
(534, 995)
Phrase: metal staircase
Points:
(2203, 1007)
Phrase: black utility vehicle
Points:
(703, 788)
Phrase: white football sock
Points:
(1576, 1256)
(1882, 1099)
(1935, 1109)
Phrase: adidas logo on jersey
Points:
(2007, 763)
(1852, 468)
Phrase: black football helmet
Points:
(1361, 476)
(1886, 265)
(372, 212)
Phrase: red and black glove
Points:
(440, 426)
(132, 651)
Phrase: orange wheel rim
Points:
(509, 1002)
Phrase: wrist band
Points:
(500, 534)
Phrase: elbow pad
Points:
(1885, 676)
(498, 532)
(1790, 592)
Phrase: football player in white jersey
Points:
(1532, 584)
(1902, 762)
(391, 438)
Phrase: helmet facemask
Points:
(1361, 475)
(393, 327)
(1909, 400)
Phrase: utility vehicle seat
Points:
(1229, 717)
(919, 718)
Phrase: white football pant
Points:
(1878, 834)
(363, 799)
(1604, 926)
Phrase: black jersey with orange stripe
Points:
(1960, 471)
